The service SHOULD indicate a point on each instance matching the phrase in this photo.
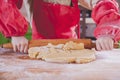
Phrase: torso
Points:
(55, 20)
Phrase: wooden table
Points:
(16, 66)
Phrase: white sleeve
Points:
(25, 10)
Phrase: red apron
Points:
(52, 21)
(17, 2)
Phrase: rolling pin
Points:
(88, 44)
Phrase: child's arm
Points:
(106, 15)
(12, 23)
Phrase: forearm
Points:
(12, 23)
(107, 17)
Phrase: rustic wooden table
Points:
(16, 66)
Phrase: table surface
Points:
(17, 66)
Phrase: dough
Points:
(73, 46)
(72, 56)
(70, 52)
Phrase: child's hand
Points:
(104, 43)
(20, 44)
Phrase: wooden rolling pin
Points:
(34, 43)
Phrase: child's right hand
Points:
(20, 44)
(104, 43)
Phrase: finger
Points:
(98, 46)
(22, 46)
(111, 44)
(103, 45)
(15, 48)
(26, 48)
(106, 45)
(18, 47)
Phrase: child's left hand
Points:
(20, 44)
(104, 43)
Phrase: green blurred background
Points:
(6, 40)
